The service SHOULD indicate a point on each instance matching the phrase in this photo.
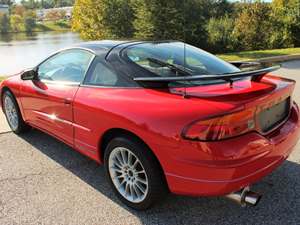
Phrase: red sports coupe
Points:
(161, 116)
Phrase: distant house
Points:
(4, 8)
(41, 13)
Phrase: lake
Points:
(20, 51)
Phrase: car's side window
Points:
(101, 74)
(67, 66)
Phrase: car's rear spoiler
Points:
(230, 77)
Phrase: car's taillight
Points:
(221, 127)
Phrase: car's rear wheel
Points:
(134, 173)
(13, 114)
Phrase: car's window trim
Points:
(106, 63)
(67, 83)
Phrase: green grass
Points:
(52, 26)
(58, 26)
(2, 78)
(252, 55)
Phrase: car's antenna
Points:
(184, 47)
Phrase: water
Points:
(21, 51)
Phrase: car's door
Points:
(47, 101)
(95, 102)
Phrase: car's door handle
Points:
(67, 101)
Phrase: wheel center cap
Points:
(130, 173)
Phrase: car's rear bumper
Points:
(226, 166)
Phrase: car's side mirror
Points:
(29, 74)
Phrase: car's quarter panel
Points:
(48, 106)
(235, 163)
(158, 117)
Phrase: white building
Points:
(4, 8)
(41, 13)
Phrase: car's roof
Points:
(105, 46)
(101, 46)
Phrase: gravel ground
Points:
(42, 181)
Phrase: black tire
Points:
(21, 125)
(157, 188)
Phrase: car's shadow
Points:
(280, 204)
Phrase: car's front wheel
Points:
(13, 114)
(134, 173)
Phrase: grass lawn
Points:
(252, 55)
(52, 26)
(59, 26)
(2, 78)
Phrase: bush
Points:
(252, 27)
(29, 21)
(88, 19)
(16, 23)
(220, 34)
(4, 23)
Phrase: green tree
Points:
(4, 23)
(16, 22)
(143, 26)
(196, 17)
(173, 19)
(221, 8)
(252, 27)
(285, 19)
(30, 4)
(101, 19)
(155, 19)
(118, 18)
(29, 21)
(6, 2)
(88, 19)
(220, 34)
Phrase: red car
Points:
(161, 116)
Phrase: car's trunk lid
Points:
(271, 98)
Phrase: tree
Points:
(252, 27)
(30, 4)
(4, 23)
(6, 2)
(221, 8)
(157, 19)
(173, 19)
(220, 34)
(144, 28)
(196, 17)
(285, 19)
(102, 19)
(118, 18)
(88, 19)
(18, 10)
(16, 22)
(29, 21)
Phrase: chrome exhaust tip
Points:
(245, 197)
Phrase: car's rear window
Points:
(169, 59)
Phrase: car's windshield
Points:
(169, 59)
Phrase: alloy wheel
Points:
(11, 112)
(128, 174)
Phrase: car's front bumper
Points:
(218, 168)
